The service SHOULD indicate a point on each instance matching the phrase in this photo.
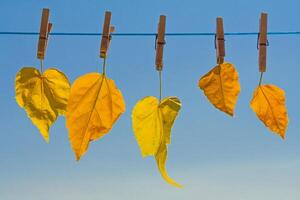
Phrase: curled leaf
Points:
(268, 103)
(221, 86)
(94, 105)
(152, 122)
(43, 96)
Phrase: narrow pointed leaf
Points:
(221, 86)
(268, 103)
(152, 122)
(169, 109)
(43, 97)
(94, 106)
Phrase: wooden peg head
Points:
(107, 29)
(45, 29)
(160, 42)
(220, 40)
(263, 41)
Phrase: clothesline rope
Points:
(149, 34)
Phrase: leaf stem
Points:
(104, 66)
(260, 79)
(160, 86)
(41, 66)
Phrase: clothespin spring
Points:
(258, 43)
(157, 42)
(219, 39)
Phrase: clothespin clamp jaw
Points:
(106, 35)
(45, 29)
(262, 42)
(220, 41)
(160, 42)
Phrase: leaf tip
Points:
(47, 139)
(45, 134)
(282, 135)
(78, 157)
(231, 114)
(178, 185)
(227, 111)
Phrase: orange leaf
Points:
(268, 103)
(94, 105)
(221, 86)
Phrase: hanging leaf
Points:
(43, 97)
(268, 103)
(152, 122)
(94, 105)
(221, 86)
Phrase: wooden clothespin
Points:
(44, 33)
(220, 40)
(160, 42)
(263, 41)
(106, 37)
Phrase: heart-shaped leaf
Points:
(94, 106)
(43, 96)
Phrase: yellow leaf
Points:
(43, 97)
(221, 86)
(94, 105)
(268, 103)
(152, 122)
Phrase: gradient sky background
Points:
(212, 155)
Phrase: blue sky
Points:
(212, 155)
